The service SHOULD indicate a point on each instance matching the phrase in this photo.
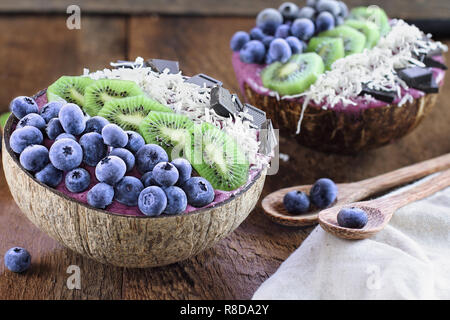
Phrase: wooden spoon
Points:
(380, 211)
(350, 192)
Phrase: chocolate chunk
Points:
(159, 65)
(415, 76)
(221, 102)
(431, 87)
(237, 102)
(204, 80)
(431, 63)
(258, 116)
(385, 96)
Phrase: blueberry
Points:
(114, 136)
(72, 119)
(330, 6)
(296, 202)
(32, 119)
(135, 141)
(24, 137)
(295, 44)
(238, 40)
(311, 3)
(198, 191)
(288, 10)
(184, 170)
(280, 50)
(127, 191)
(17, 259)
(110, 170)
(147, 179)
(77, 180)
(176, 200)
(165, 174)
(125, 155)
(34, 158)
(152, 201)
(93, 147)
(268, 59)
(307, 13)
(101, 195)
(95, 124)
(66, 154)
(303, 29)
(51, 110)
(267, 40)
(66, 136)
(324, 21)
(354, 218)
(54, 128)
(253, 52)
(343, 13)
(21, 106)
(323, 192)
(255, 34)
(148, 156)
(49, 175)
(269, 19)
(282, 31)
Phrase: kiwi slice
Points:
(217, 157)
(168, 130)
(329, 49)
(128, 113)
(373, 14)
(354, 41)
(369, 29)
(104, 90)
(294, 76)
(70, 89)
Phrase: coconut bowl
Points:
(120, 240)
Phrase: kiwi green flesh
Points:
(217, 157)
(168, 130)
(373, 14)
(295, 76)
(70, 89)
(369, 29)
(354, 41)
(329, 49)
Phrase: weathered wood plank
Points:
(412, 9)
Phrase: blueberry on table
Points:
(21, 106)
(95, 124)
(184, 170)
(323, 193)
(114, 136)
(303, 29)
(66, 154)
(354, 218)
(152, 201)
(126, 155)
(280, 50)
(135, 141)
(17, 259)
(127, 190)
(325, 21)
(176, 200)
(110, 170)
(51, 110)
(101, 195)
(253, 52)
(34, 158)
(148, 156)
(24, 137)
(49, 176)
(296, 202)
(238, 40)
(72, 119)
(33, 120)
(199, 192)
(54, 128)
(77, 180)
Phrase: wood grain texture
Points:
(237, 265)
(415, 9)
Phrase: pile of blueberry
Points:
(281, 33)
(81, 142)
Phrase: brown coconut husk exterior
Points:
(120, 240)
(343, 131)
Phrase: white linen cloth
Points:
(409, 259)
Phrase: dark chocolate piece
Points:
(204, 80)
(431, 63)
(159, 65)
(385, 96)
(431, 87)
(221, 102)
(415, 76)
(259, 116)
(237, 102)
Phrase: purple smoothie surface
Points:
(122, 209)
(247, 73)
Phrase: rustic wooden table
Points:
(38, 49)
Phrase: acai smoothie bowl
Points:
(338, 80)
(138, 165)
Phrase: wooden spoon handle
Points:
(404, 175)
(420, 191)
